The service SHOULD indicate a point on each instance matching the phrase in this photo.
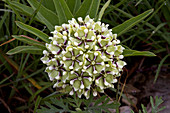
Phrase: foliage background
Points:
(23, 82)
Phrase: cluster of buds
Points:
(83, 57)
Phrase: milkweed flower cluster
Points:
(83, 57)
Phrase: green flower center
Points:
(73, 58)
(80, 78)
(83, 38)
(93, 62)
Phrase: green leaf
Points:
(101, 104)
(129, 52)
(156, 107)
(122, 28)
(144, 108)
(103, 9)
(63, 11)
(49, 4)
(59, 107)
(49, 18)
(25, 49)
(159, 67)
(26, 10)
(73, 5)
(34, 31)
(3, 19)
(84, 8)
(30, 41)
(94, 8)
(37, 103)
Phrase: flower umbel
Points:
(83, 56)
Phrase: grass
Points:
(22, 78)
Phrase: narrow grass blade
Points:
(84, 8)
(16, 67)
(63, 11)
(29, 41)
(6, 78)
(7, 42)
(94, 8)
(25, 49)
(49, 18)
(122, 28)
(34, 31)
(37, 103)
(39, 91)
(15, 11)
(3, 19)
(129, 52)
(159, 67)
(144, 108)
(103, 9)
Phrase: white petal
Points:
(51, 68)
(92, 37)
(86, 55)
(95, 53)
(114, 81)
(76, 34)
(64, 73)
(71, 92)
(57, 77)
(64, 58)
(72, 72)
(86, 31)
(75, 43)
(115, 35)
(71, 82)
(80, 19)
(45, 52)
(82, 86)
(64, 33)
(102, 63)
(110, 43)
(64, 37)
(94, 93)
(70, 49)
(86, 46)
(121, 57)
(80, 63)
(54, 52)
(95, 72)
(81, 52)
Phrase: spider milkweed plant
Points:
(82, 55)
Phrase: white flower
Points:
(82, 53)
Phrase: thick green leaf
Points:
(103, 9)
(74, 5)
(49, 18)
(94, 8)
(29, 41)
(120, 29)
(49, 4)
(84, 8)
(26, 10)
(25, 49)
(63, 11)
(34, 31)
(129, 52)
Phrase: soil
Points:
(140, 87)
